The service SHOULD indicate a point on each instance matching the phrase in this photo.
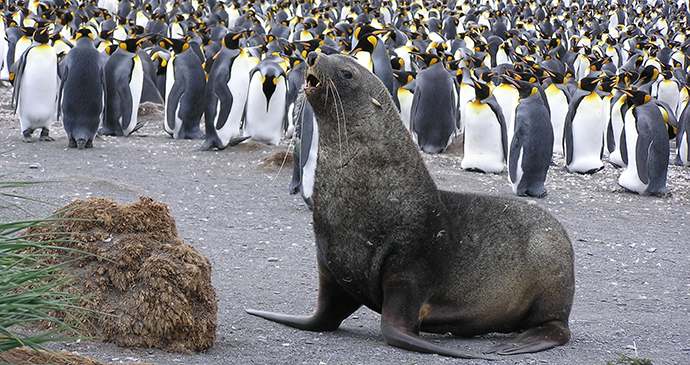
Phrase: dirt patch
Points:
(152, 289)
(280, 159)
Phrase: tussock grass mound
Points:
(151, 289)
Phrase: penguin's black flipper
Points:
(173, 100)
(610, 142)
(225, 98)
(236, 141)
(125, 95)
(504, 127)
(624, 148)
(513, 157)
(643, 149)
(64, 72)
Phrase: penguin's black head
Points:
(637, 97)
(42, 35)
(589, 83)
(132, 44)
(367, 43)
(404, 77)
(232, 40)
(429, 59)
(481, 90)
(556, 77)
(607, 83)
(648, 74)
(84, 32)
(524, 88)
(176, 45)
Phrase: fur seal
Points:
(426, 259)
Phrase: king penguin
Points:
(124, 80)
(486, 142)
(647, 146)
(36, 87)
(82, 91)
(371, 53)
(531, 148)
(226, 94)
(185, 83)
(266, 101)
(433, 116)
(583, 133)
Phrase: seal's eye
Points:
(346, 74)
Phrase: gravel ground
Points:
(631, 252)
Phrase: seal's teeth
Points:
(312, 81)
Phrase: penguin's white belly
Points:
(507, 98)
(169, 82)
(668, 93)
(238, 82)
(483, 148)
(264, 121)
(518, 173)
(617, 126)
(588, 138)
(558, 114)
(405, 98)
(5, 70)
(629, 178)
(37, 102)
(683, 151)
(309, 169)
(136, 84)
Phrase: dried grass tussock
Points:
(149, 287)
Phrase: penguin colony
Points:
(520, 80)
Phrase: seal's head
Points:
(338, 81)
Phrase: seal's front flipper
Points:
(333, 305)
(535, 339)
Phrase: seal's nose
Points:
(311, 58)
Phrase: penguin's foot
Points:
(44, 135)
(663, 193)
(677, 162)
(537, 193)
(138, 126)
(198, 134)
(593, 171)
(107, 131)
(475, 169)
(26, 135)
(209, 144)
(81, 144)
(72, 143)
(89, 143)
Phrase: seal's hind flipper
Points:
(535, 339)
(409, 341)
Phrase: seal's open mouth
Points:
(312, 81)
